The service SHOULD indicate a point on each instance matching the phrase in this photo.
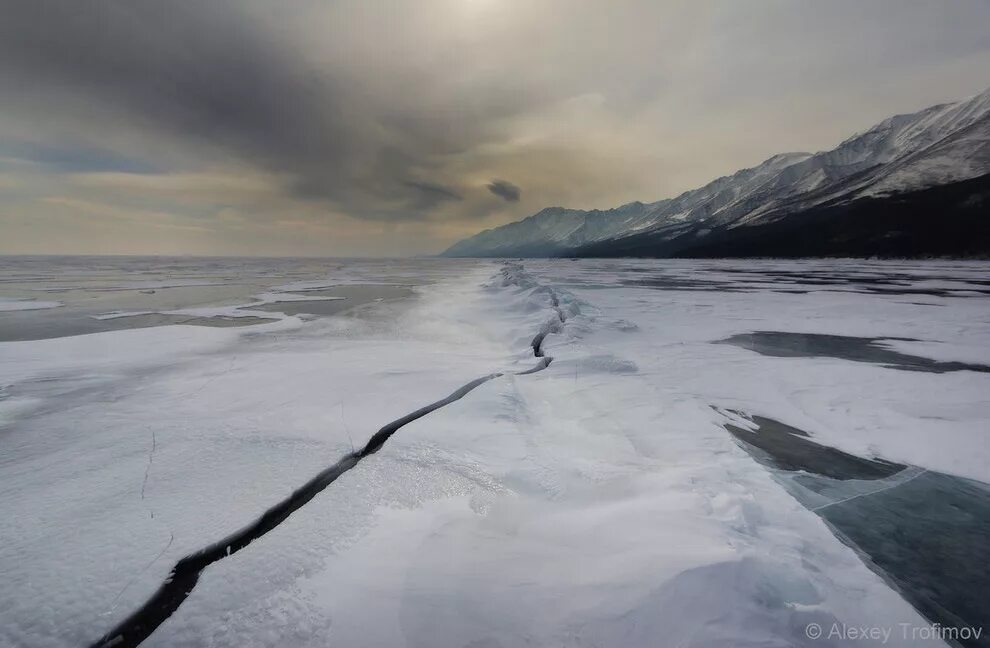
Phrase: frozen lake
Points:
(634, 453)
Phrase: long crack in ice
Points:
(180, 582)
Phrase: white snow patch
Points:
(8, 304)
(598, 502)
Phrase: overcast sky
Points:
(395, 127)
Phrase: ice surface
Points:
(13, 304)
(598, 502)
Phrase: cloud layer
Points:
(309, 127)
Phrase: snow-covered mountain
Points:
(903, 154)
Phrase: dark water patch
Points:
(340, 299)
(83, 307)
(930, 537)
(934, 292)
(677, 283)
(216, 321)
(307, 307)
(17, 329)
(924, 532)
(744, 280)
(782, 344)
(361, 292)
(788, 448)
(895, 284)
(90, 286)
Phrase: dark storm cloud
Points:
(433, 193)
(505, 190)
(206, 73)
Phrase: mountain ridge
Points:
(939, 145)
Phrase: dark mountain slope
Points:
(948, 220)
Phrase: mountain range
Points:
(913, 185)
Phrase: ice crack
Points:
(179, 583)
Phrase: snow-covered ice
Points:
(17, 304)
(598, 502)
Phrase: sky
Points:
(396, 127)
